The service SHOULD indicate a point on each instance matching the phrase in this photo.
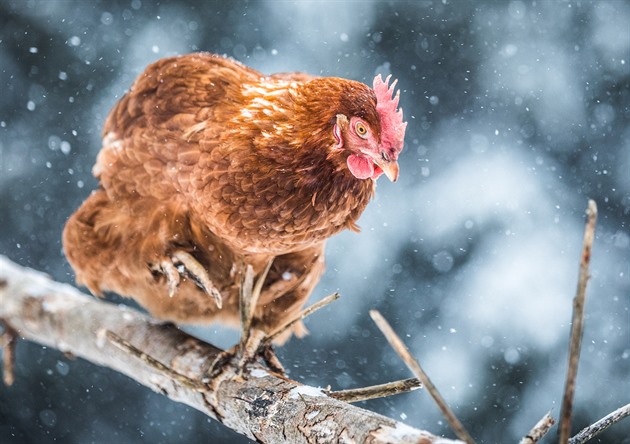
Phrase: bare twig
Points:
(377, 391)
(577, 325)
(8, 341)
(152, 362)
(247, 302)
(417, 370)
(248, 298)
(595, 429)
(539, 430)
(304, 313)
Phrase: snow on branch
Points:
(261, 405)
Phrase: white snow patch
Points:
(101, 337)
(54, 305)
(158, 382)
(399, 433)
(287, 275)
(258, 373)
(312, 414)
(63, 346)
(307, 390)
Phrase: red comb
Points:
(392, 125)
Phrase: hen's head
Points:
(371, 131)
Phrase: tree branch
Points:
(593, 430)
(577, 324)
(376, 391)
(8, 339)
(413, 365)
(261, 405)
(539, 430)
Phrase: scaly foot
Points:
(252, 344)
(244, 353)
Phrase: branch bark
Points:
(261, 405)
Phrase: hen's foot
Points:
(253, 344)
(245, 353)
(183, 264)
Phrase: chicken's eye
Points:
(361, 130)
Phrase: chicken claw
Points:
(192, 269)
(247, 351)
(172, 276)
(252, 344)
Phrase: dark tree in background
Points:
(518, 112)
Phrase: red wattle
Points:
(360, 167)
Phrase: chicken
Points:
(208, 166)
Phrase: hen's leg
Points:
(251, 345)
(252, 338)
(183, 264)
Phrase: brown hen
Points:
(208, 166)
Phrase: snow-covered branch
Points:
(263, 406)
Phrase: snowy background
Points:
(518, 113)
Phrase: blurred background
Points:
(518, 113)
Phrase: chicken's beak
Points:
(390, 168)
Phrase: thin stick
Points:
(414, 366)
(577, 325)
(595, 429)
(259, 283)
(248, 298)
(539, 430)
(304, 313)
(9, 341)
(152, 362)
(247, 304)
(376, 391)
